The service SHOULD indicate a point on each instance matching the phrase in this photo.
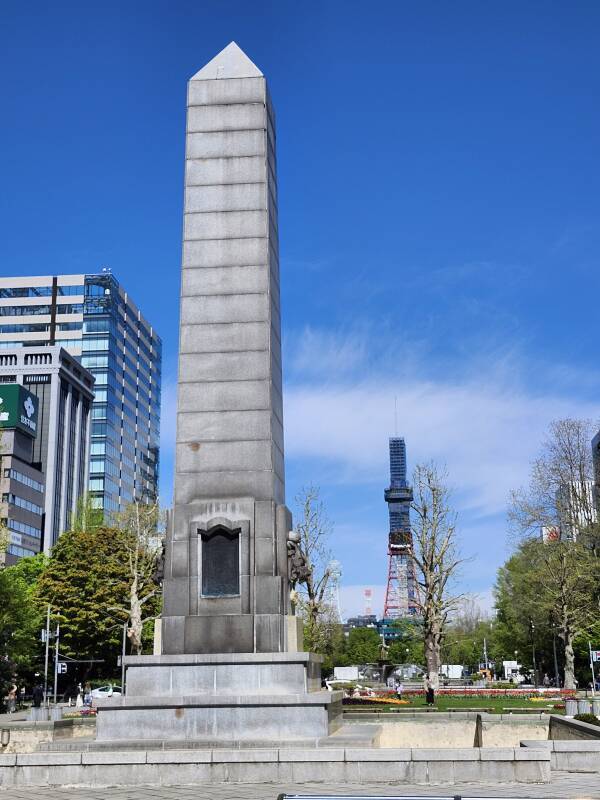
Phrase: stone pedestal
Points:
(246, 697)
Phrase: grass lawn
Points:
(444, 702)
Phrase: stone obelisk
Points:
(226, 584)
(230, 667)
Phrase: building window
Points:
(21, 552)
(26, 291)
(220, 562)
(20, 502)
(24, 479)
(22, 527)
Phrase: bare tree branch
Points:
(436, 557)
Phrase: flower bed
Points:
(362, 696)
(467, 691)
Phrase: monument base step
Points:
(346, 736)
(222, 674)
(309, 715)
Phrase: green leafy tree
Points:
(546, 590)
(470, 633)
(408, 648)
(20, 622)
(335, 651)
(363, 646)
(87, 582)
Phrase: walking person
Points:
(429, 692)
(87, 695)
(11, 699)
(38, 695)
(399, 689)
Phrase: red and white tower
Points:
(401, 596)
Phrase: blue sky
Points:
(439, 205)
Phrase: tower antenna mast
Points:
(401, 599)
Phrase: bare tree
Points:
(469, 615)
(560, 495)
(314, 592)
(437, 559)
(139, 525)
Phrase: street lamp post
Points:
(556, 672)
(532, 629)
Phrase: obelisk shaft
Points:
(229, 424)
(229, 474)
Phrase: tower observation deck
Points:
(402, 592)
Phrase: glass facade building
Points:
(98, 323)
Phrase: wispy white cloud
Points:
(485, 424)
(338, 353)
(483, 416)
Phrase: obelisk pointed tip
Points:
(231, 62)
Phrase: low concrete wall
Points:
(426, 732)
(458, 729)
(568, 728)
(509, 729)
(25, 737)
(176, 767)
(570, 755)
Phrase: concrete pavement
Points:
(563, 785)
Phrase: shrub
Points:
(591, 719)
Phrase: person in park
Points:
(87, 694)
(38, 695)
(399, 689)
(429, 692)
(11, 699)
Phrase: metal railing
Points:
(392, 797)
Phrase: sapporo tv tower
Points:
(402, 591)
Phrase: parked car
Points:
(106, 691)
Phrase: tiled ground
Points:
(564, 785)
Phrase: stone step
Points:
(346, 736)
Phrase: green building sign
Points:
(18, 408)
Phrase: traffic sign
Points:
(62, 667)
(595, 655)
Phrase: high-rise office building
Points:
(96, 320)
(62, 392)
(401, 592)
(21, 482)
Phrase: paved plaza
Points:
(564, 785)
